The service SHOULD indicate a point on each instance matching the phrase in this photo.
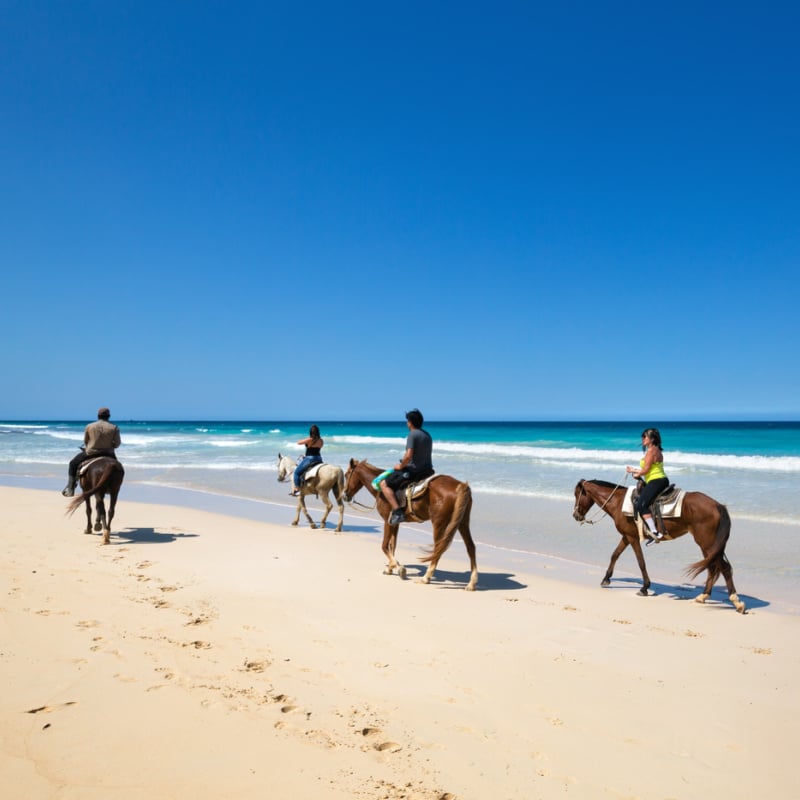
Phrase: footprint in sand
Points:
(87, 623)
(254, 666)
(50, 709)
(388, 747)
(198, 645)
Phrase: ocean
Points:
(516, 470)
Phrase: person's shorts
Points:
(402, 477)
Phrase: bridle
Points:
(600, 508)
(353, 502)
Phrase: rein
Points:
(600, 508)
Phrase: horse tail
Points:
(108, 470)
(462, 506)
(338, 488)
(717, 555)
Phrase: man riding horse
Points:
(100, 438)
(415, 465)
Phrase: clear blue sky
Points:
(316, 211)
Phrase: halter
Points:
(600, 508)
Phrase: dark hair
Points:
(415, 417)
(313, 432)
(655, 436)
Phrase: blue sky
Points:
(341, 210)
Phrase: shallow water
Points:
(522, 476)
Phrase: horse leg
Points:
(100, 519)
(112, 504)
(302, 503)
(727, 573)
(389, 545)
(620, 549)
(88, 515)
(466, 535)
(637, 548)
(722, 565)
(341, 511)
(328, 507)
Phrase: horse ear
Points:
(279, 456)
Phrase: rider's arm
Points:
(405, 459)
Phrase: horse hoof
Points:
(402, 572)
(643, 593)
(98, 526)
(313, 526)
(701, 598)
(605, 582)
(294, 524)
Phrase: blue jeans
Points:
(304, 464)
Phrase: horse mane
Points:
(605, 484)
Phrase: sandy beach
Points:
(207, 656)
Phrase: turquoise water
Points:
(752, 467)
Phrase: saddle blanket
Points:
(312, 471)
(671, 508)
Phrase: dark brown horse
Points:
(102, 476)
(447, 503)
(702, 516)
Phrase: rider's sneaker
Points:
(397, 517)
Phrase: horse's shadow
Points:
(719, 595)
(448, 579)
(147, 536)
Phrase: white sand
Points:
(204, 656)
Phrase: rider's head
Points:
(103, 413)
(313, 432)
(415, 417)
(653, 435)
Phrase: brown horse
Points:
(702, 516)
(101, 476)
(447, 503)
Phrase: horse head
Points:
(285, 467)
(352, 483)
(583, 502)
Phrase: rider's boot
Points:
(69, 489)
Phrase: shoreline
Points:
(242, 658)
(583, 564)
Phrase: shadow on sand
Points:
(718, 597)
(146, 536)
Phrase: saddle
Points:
(312, 471)
(666, 505)
(88, 463)
(414, 491)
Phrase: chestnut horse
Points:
(101, 476)
(446, 502)
(702, 516)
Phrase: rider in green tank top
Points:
(651, 471)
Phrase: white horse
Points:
(328, 477)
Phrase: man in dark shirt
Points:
(100, 438)
(415, 465)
